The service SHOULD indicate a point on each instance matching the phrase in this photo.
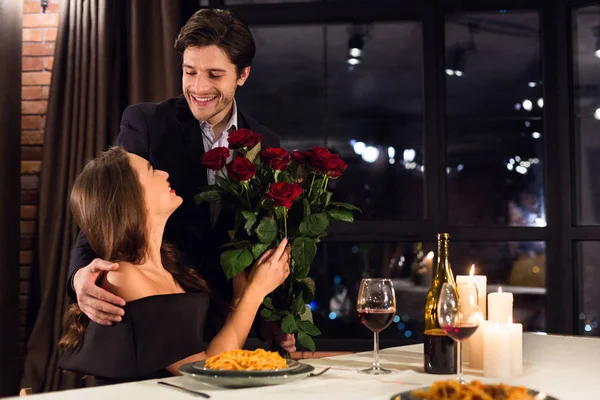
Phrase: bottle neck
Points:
(443, 265)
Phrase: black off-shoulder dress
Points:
(155, 332)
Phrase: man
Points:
(216, 50)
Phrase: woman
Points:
(122, 205)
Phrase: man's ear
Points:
(243, 76)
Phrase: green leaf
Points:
(306, 341)
(211, 196)
(341, 215)
(279, 212)
(304, 251)
(345, 206)
(269, 315)
(258, 249)
(268, 302)
(306, 205)
(310, 284)
(309, 328)
(251, 155)
(250, 221)
(234, 261)
(325, 197)
(226, 184)
(306, 315)
(301, 270)
(288, 324)
(308, 289)
(314, 224)
(298, 304)
(266, 231)
(285, 176)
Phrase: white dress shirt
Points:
(208, 139)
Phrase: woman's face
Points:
(160, 199)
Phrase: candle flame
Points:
(472, 270)
(500, 289)
(430, 255)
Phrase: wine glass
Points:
(459, 316)
(376, 306)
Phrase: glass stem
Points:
(375, 350)
(459, 364)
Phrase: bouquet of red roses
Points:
(277, 194)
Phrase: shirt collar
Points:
(231, 124)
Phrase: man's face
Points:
(209, 82)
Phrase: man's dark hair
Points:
(221, 28)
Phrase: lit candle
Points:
(480, 281)
(496, 350)
(500, 306)
(516, 348)
(475, 346)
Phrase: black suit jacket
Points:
(168, 135)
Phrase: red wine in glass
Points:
(376, 319)
(460, 332)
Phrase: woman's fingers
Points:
(280, 249)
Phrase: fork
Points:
(311, 375)
(201, 394)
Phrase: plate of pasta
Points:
(452, 390)
(245, 368)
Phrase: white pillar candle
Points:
(480, 281)
(500, 306)
(475, 346)
(516, 348)
(496, 350)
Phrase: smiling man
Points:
(216, 50)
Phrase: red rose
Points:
(275, 157)
(241, 169)
(326, 163)
(317, 157)
(335, 166)
(284, 194)
(243, 138)
(216, 158)
(301, 157)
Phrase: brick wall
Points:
(39, 36)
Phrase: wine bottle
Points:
(439, 348)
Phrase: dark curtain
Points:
(109, 53)
(10, 133)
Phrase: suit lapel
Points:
(192, 137)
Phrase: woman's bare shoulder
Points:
(128, 282)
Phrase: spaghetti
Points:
(245, 360)
(452, 390)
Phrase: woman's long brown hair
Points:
(108, 205)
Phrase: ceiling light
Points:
(359, 147)
(597, 113)
(409, 155)
(540, 103)
(536, 135)
(527, 104)
(370, 154)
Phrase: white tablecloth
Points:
(565, 367)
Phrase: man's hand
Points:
(271, 331)
(99, 305)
